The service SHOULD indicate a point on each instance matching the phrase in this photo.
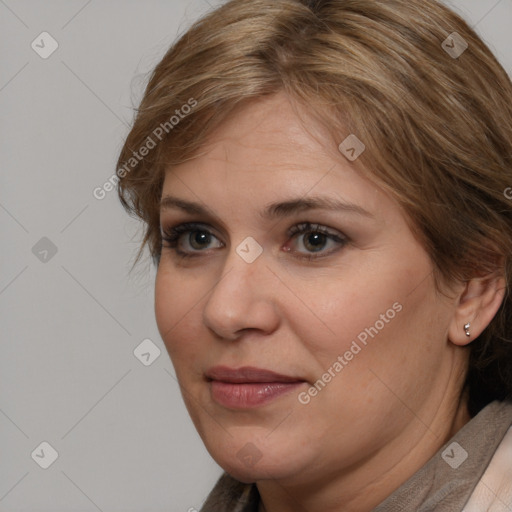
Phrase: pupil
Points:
(318, 240)
(200, 237)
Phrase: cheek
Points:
(370, 316)
(166, 312)
(342, 310)
(383, 336)
(176, 304)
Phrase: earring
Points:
(466, 328)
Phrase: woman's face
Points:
(344, 308)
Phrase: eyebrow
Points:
(273, 210)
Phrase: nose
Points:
(243, 297)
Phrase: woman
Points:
(322, 186)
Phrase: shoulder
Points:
(493, 492)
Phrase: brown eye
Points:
(188, 239)
(198, 239)
(314, 239)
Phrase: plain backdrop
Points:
(114, 429)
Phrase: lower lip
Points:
(243, 396)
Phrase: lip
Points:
(247, 387)
(247, 374)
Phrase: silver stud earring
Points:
(466, 328)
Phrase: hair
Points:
(437, 127)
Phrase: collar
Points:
(446, 482)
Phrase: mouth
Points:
(247, 375)
(248, 386)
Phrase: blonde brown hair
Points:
(437, 126)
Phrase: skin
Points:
(396, 402)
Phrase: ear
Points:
(477, 305)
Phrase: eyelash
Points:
(171, 237)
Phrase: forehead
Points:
(268, 132)
(268, 151)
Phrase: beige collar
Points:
(494, 490)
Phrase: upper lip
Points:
(247, 374)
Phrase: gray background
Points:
(70, 321)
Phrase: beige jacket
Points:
(472, 472)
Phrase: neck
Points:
(363, 487)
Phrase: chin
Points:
(259, 472)
(250, 458)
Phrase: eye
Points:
(198, 239)
(190, 239)
(314, 238)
